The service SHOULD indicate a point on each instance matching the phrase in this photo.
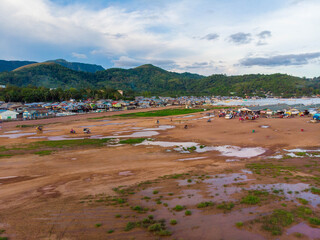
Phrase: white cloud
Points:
(164, 34)
(79, 55)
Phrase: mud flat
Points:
(132, 178)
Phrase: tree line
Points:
(42, 94)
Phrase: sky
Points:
(200, 36)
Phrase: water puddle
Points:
(60, 138)
(137, 134)
(137, 128)
(187, 116)
(37, 137)
(14, 131)
(8, 177)
(234, 151)
(17, 135)
(228, 151)
(290, 191)
(301, 150)
(232, 160)
(161, 127)
(218, 185)
(305, 229)
(276, 157)
(89, 126)
(125, 173)
(116, 123)
(264, 126)
(190, 159)
(188, 197)
(246, 171)
(168, 144)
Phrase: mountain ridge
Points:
(7, 66)
(157, 81)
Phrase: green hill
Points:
(7, 66)
(157, 81)
(84, 67)
(49, 75)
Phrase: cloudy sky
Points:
(201, 36)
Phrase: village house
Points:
(8, 115)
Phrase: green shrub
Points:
(187, 213)
(130, 226)
(132, 141)
(155, 227)
(205, 204)
(226, 206)
(303, 201)
(315, 190)
(164, 232)
(314, 221)
(173, 222)
(178, 208)
(239, 224)
(250, 199)
(276, 221)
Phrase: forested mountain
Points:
(11, 65)
(84, 67)
(148, 79)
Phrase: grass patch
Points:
(178, 208)
(303, 201)
(72, 143)
(28, 125)
(139, 209)
(44, 152)
(226, 206)
(132, 141)
(190, 149)
(110, 231)
(250, 199)
(314, 221)
(315, 190)
(98, 225)
(188, 213)
(205, 204)
(154, 226)
(269, 169)
(3, 148)
(173, 222)
(275, 222)
(301, 154)
(239, 224)
(41, 147)
(160, 113)
(5, 155)
(130, 226)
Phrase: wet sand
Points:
(46, 191)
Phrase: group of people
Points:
(72, 131)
